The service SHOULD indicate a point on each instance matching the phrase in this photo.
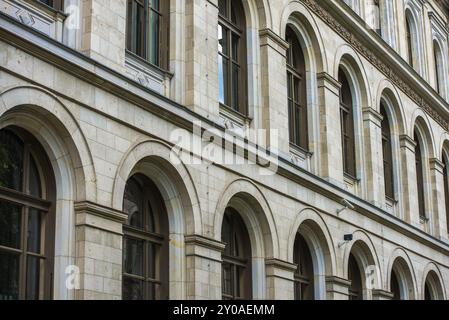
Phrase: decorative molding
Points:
(355, 43)
(100, 211)
(379, 294)
(205, 242)
(281, 264)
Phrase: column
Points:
(98, 251)
(330, 130)
(438, 219)
(372, 122)
(280, 279)
(409, 182)
(337, 288)
(203, 257)
(273, 51)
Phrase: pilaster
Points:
(280, 279)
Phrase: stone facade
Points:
(100, 121)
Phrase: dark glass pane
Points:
(33, 278)
(235, 47)
(152, 260)
(35, 181)
(9, 276)
(133, 257)
(394, 286)
(129, 26)
(223, 79)
(139, 30)
(222, 7)
(132, 289)
(155, 4)
(227, 279)
(297, 124)
(222, 40)
(153, 291)
(151, 219)
(11, 160)
(233, 14)
(235, 87)
(132, 203)
(34, 230)
(153, 41)
(10, 224)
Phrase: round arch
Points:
(420, 122)
(51, 123)
(433, 279)
(312, 227)
(401, 264)
(364, 252)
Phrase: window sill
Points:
(146, 73)
(236, 118)
(350, 180)
(300, 152)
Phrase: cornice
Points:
(388, 70)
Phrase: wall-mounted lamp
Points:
(347, 238)
(346, 205)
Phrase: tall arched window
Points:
(145, 242)
(304, 282)
(355, 276)
(297, 91)
(232, 55)
(347, 125)
(420, 176)
(408, 30)
(147, 30)
(236, 267)
(437, 58)
(446, 187)
(387, 154)
(27, 198)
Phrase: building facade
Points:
(217, 149)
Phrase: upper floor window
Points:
(232, 55)
(387, 153)
(27, 196)
(55, 4)
(419, 176)
(446, 186)
(145, 242)
(147, 30)
(410, 44)
(297, 91)
(437, 58)
(236, 267)
(347, 125)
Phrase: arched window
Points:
(394, 286)
(446, 187)
(437, 58)
(347, 125)
(236, 267)
(145, 242)
(147, 30)
(304, 282)
(297, 91)
(355, 276)
(232, 55)
(410, 44)
(387, 154)
(420, 177)
(27, 198)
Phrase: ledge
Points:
(100, 211)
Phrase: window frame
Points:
(45, 205)
(132, 43)
(239, 30)
(158, 238)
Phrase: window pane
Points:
(132, 203)
(34, 230)
(33, 278)
(9, 276)
(153, 291)
(132, 289)
(10, 224)
(227, 279)
(235, 87)
(133, 257)
(222, 40)
(139, 30)
(35, 182)
(222, 8)
(11, 161)
(151, 219)
(223, 79)
(152, 260)
(155, 4)
(235, 47)
(153, 41)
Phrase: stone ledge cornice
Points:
(100, 211)
(436, 164)
(370, 114)
(281, 264)
(326, 80)
(205, 242)
(407, 142)
(269, 37)
(385, 59)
